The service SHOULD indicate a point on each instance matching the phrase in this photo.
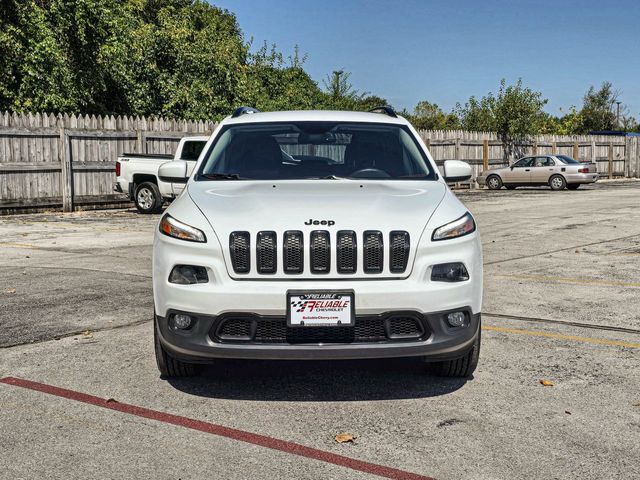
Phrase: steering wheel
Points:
(370, 173)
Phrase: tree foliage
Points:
(515, 113)
(429, 116)
(189, 59)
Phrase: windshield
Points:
(315, 150)
(566, 160)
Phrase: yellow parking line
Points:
(560, 336)
(579, 281)
(16, 245)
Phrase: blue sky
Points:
(446, 51)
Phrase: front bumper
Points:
(200, 344)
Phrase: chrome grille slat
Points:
(399, 245)
(372, 251)
(267, 252)
(293, 251)
(320, 251)
(239, 246)
(347, 251)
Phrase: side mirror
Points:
(456, 171)
(511, 167)
(173, 172)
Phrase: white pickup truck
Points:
(137, 175)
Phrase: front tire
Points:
(148, 198)
(494, 182)
(557, 182)
(573, 186)
(459, 367)
(170, 367)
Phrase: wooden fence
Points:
(68, 162)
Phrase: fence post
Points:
(428, 143)
(534, 148)
(485, 154)
(554, 148)
(66, 170)
(139, 141)
(458, 148)
(576, 150)
(610, 159)
(594, 158)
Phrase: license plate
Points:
(320, 308)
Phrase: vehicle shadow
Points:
(313, 381)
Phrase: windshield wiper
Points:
(327, 177)
(222, 176)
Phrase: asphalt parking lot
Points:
(562, 304)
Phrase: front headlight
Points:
(458, 228)
(173, 228)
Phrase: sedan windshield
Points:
(315, 150)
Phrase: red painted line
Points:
(220, 430)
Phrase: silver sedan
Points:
(557, 171)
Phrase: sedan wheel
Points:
(557, 182)
(494, 182)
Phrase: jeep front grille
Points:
(348, 254)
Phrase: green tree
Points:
(598, 108)
(273, 84)
(429, 116)
(515, 114)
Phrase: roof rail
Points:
(244, 111)
(386, 109)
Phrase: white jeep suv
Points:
(316, 235)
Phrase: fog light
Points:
(188, 274)
(181, 321)
(449, 272)
(456, 319)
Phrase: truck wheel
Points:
(459, 367)
(557, 182)
(494, 182)
(148, 198)
(169, 366)
(573, 186)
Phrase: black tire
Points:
(459, 367)
(557, 182)
(573, 186)
(510, 187)
(147, 198)
(169, 366)
(494, 182)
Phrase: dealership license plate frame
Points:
(291, 294)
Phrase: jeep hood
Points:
(290, 205)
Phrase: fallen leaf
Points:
(345, 438)
(86, 333)
(567, 412)
(577, 251)
(111, 400)
(636, 404)
(11, 290)
(546, 383)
